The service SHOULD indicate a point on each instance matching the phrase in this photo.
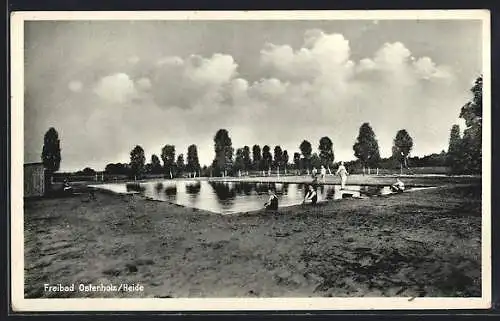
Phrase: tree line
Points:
(365, 149)
(266, 159)
(464, 153)
(172, 166)
(465, 150)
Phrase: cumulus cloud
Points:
(395, 60)
(186, 82)
(427, 69)
(75, 86)
(392, 55)
(268, 89)
(307, 92)
(320, 55)
(116, 88)
(316, 90)
(144, 83)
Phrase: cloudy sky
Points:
(107, 86)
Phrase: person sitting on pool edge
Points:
(311, 196)
(67, 189)
(272, 203)
(398, 187)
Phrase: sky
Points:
(107, 86)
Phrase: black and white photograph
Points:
(210, 160)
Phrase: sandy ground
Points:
(424, 243)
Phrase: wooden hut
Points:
(34, 179)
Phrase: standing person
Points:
(342, 172)
(323, 173)
(314, 172)
(311, 196)
(272, 203)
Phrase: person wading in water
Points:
(342, 172)
(323, 173)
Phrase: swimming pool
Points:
(235, 197)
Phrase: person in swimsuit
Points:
(323, 173)
(311, 196)
(272, 203)
(67, 189)
(342, 172)
(398, 187)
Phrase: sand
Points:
(423, 243)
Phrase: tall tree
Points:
(247, 161)
(402, 145)
(455, 155)
(296, 160)
(306, 150)
(326, 152)
(193, 164)
(257, 157)
(285, 159)
(148, 168)
(137, 161)
(51, 152)
(155, 164)
(223, 152)
(239, 162)
(168, 158)
(267, 157)
(278, 157)
(472, 113)
(315, 160)
(180, 164)
(366, 147)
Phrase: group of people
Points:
(322, 173)
(311, 196)
(341, 171)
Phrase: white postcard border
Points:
(20, 304)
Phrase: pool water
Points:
(235, 197)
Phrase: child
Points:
(272, 203)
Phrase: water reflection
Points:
(134, 187)
(225, 193)
(193, 188)
(243, 189)
(285, 188)
(262, 188)
(232, 197)
(170, 190)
